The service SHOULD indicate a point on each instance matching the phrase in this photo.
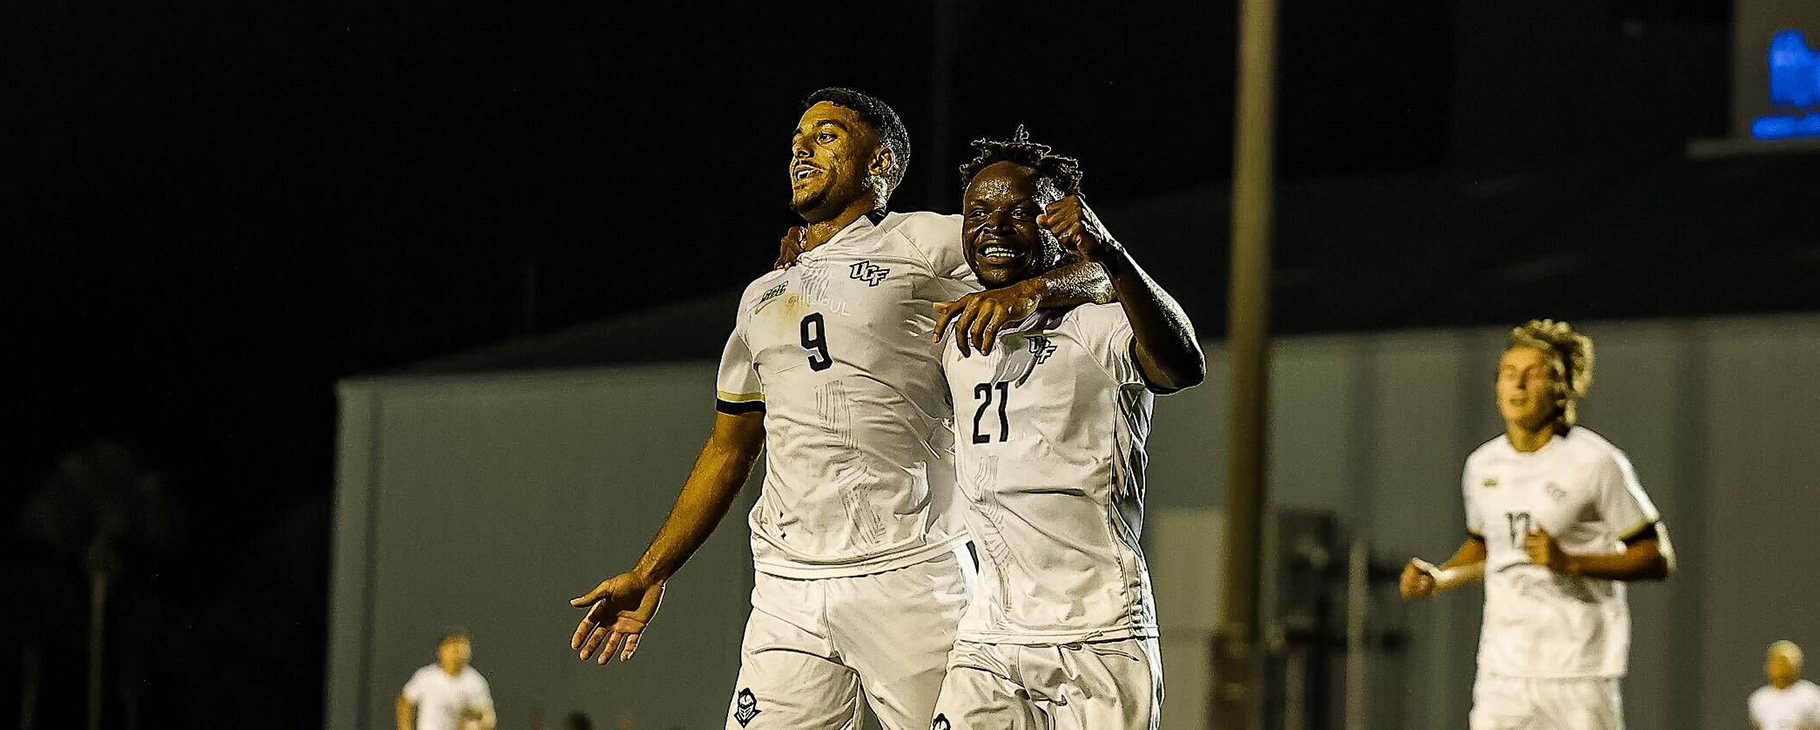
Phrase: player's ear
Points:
(882, 162)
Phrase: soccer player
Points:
(1052, 425)
(832, 369)
(447, 695)
(1788, 702)
(1556, 524)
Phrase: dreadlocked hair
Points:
(1571, 355)
(1062, 175)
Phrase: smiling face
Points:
(1004, 244)
(1526, 388)
(832, 153)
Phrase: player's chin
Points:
(997, 277)
(806, 197)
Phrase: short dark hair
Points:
(881, 118)
(1063, 173)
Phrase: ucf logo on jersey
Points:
(1041, 348)
(865, 271)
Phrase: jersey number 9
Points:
(815, 340)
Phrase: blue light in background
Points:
(1794, 80)
(1794, 71)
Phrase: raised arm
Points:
(621, 606)
(1167, 350)
(980, 316)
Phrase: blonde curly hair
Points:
(1571, 355)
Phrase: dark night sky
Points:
(224, 209)
(216, 210)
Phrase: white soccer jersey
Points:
(1051, 429)
(1795, 707)
(441, 700)
(1582, 489)
(838, 352)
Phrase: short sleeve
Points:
(413, 689)
(1105, 331)
(1475, 526)
(1623, 506)
(938, 238)
(1813, 706)
(481, 694)
(737, 388)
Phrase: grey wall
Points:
(498, 498)
(487, 504)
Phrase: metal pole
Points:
(97, 625)
(1238, 689)
(1358, 602)
(941, 108)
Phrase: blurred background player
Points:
(1556, 523)
(1788, 702)
(447, 695)
(1052, 425)
(832, 369)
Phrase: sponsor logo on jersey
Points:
(865, 271)
(1041, 348)
(941, 723)
(1489, 482)
(745, 706)
(773, 293)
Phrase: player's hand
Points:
(980, 316)
(1076, 227)
(789, 247)
(1544, 551)
(1416, 583)
(618, 610)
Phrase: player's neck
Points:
(823, 231)
(1784, 685)
(1526, 440)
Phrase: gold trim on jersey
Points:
(739, 397)
(1636, 529)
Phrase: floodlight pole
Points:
(1238, 649)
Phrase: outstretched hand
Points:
(980, 316)
(619, 609)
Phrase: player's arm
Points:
(482, 719)
(1467, 565)
(404, 713)
(1640, 558)
(980, 316)
(621, 606)
(1644, 551)
(1167, 351)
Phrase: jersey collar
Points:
(858, 227)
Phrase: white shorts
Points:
(1516, 703)
(1099, 685)
(813, 645)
